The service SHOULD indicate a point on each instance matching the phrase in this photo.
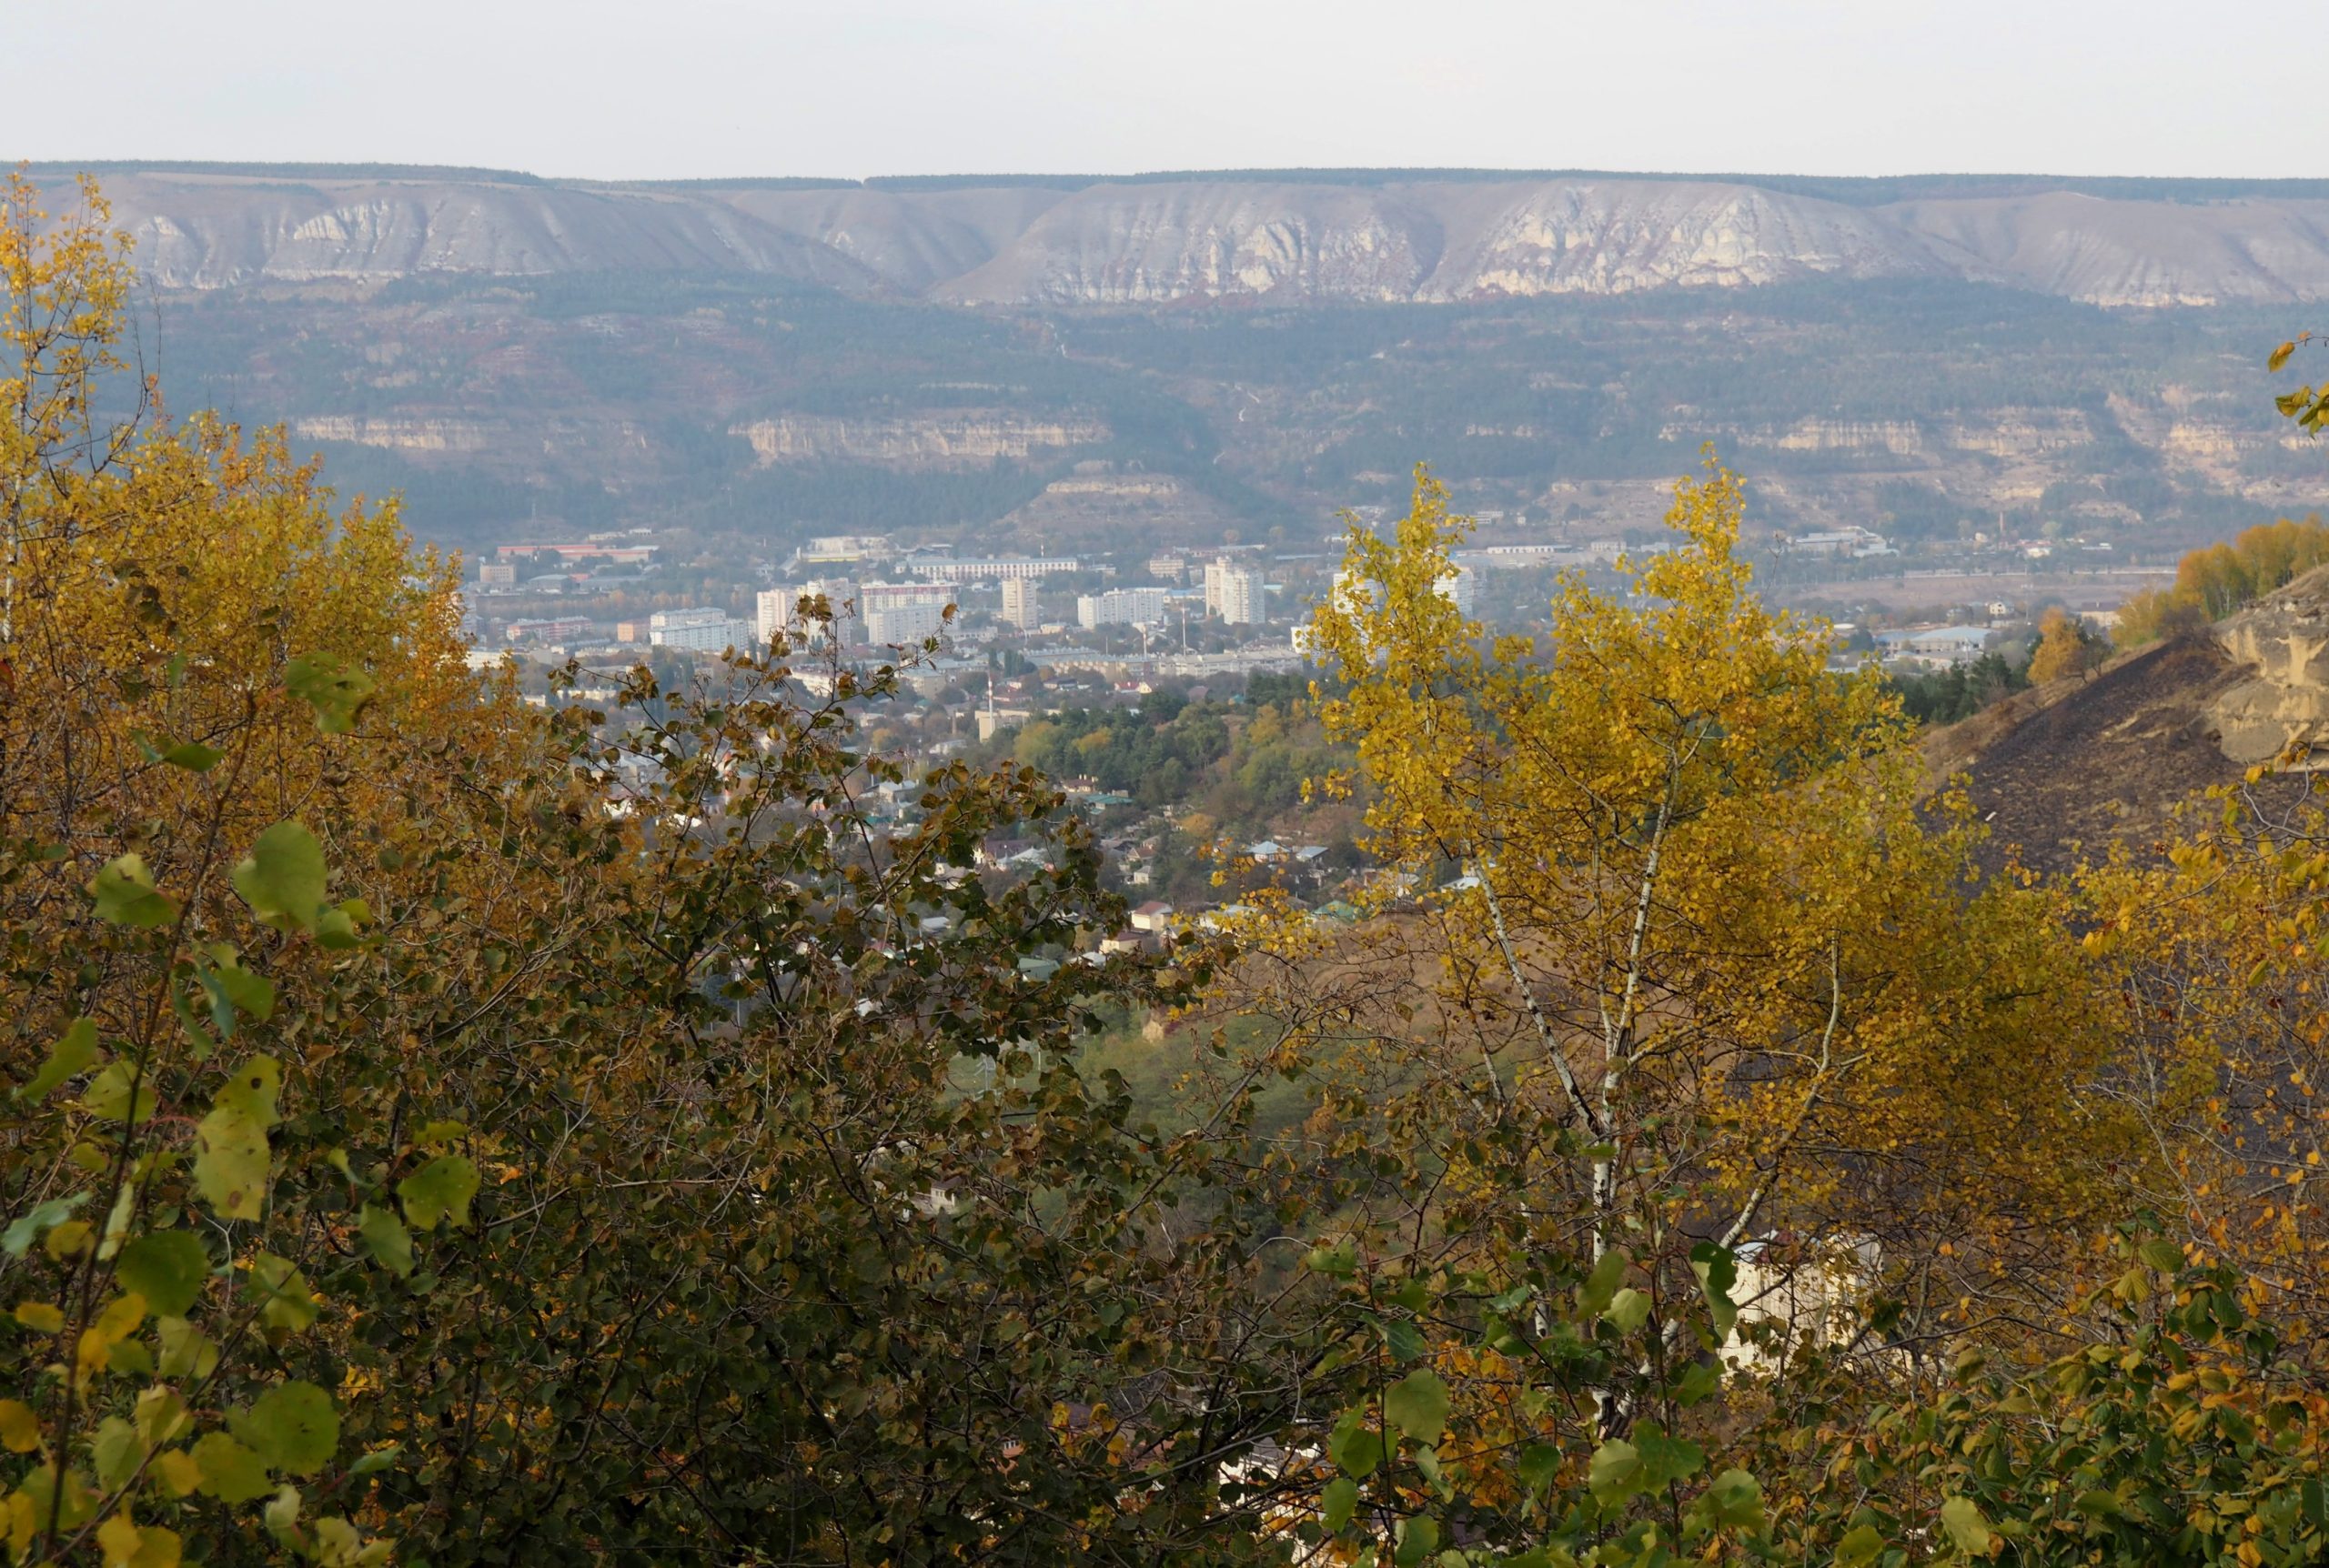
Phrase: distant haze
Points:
(707, 88)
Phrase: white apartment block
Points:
(772, 611)
(700, 630)
(1021, 603)
(1121, 606)
(993, 571)
(1239, 595)
(911, 621)
(1460, 586)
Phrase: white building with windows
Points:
(993, 571)
(772, 611)
(910, 621)
(1121, 606)
(1022, 603)
(1239, 595)
(1461, 587)
(699, 630)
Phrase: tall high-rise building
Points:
(840, 597)
(1459, 586)
(1237, 594)
(1020, 603)
(774, 611)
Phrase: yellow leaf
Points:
(179, 1473)
(116, 1322)
(40, 1317)
(19, 1428)
(22, 1520)
(157, 1548)
(118, 1538)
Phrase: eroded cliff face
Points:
(398, 435)
(1150, 242)
(1620, 237)
(938, 440)
(2283, 640)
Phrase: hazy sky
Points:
(675, 88)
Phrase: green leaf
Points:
(76, 1052)
(1665, 1460)
(161, 1416)
(1339, 1261)
(374, 1459)
(1539, 1463)
(2163, 1255)
(1968, 1531)
(107, 1096)
(165, 1267)
(115, 1451)
(336, 930)
(238, 986)
(1601, 1284)
(282, 879)
(325, 683)
(1734, 1501)
(292, 1426)
(125, 893)
(230, 1471)
(1337, 1503)
(1718, 1271)
(253, 1090)
(442, 1187)
(1403, 1339)
(1627, 1309)
(231, 1167)
(1859, 1546)
(386, 1239)
(1418, 1406)
(1615, 1474)
(191, 756)
(1700, 1381)
(1354, 1448)
(290, 1305)
(1417, 1538)
(281, 1515)
(187, 1351)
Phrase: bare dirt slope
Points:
(2060, 771)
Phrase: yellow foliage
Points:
(1729, 953)
(2213, 582)
(2064, 647)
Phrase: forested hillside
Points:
(448, 1129)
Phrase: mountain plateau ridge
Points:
(1226, 237)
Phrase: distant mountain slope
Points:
(1351, 236)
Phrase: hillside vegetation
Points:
(2212, 583)
(446, 1130)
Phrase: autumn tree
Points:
(2064, 647)
(1703, 940)
(2214, 582)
